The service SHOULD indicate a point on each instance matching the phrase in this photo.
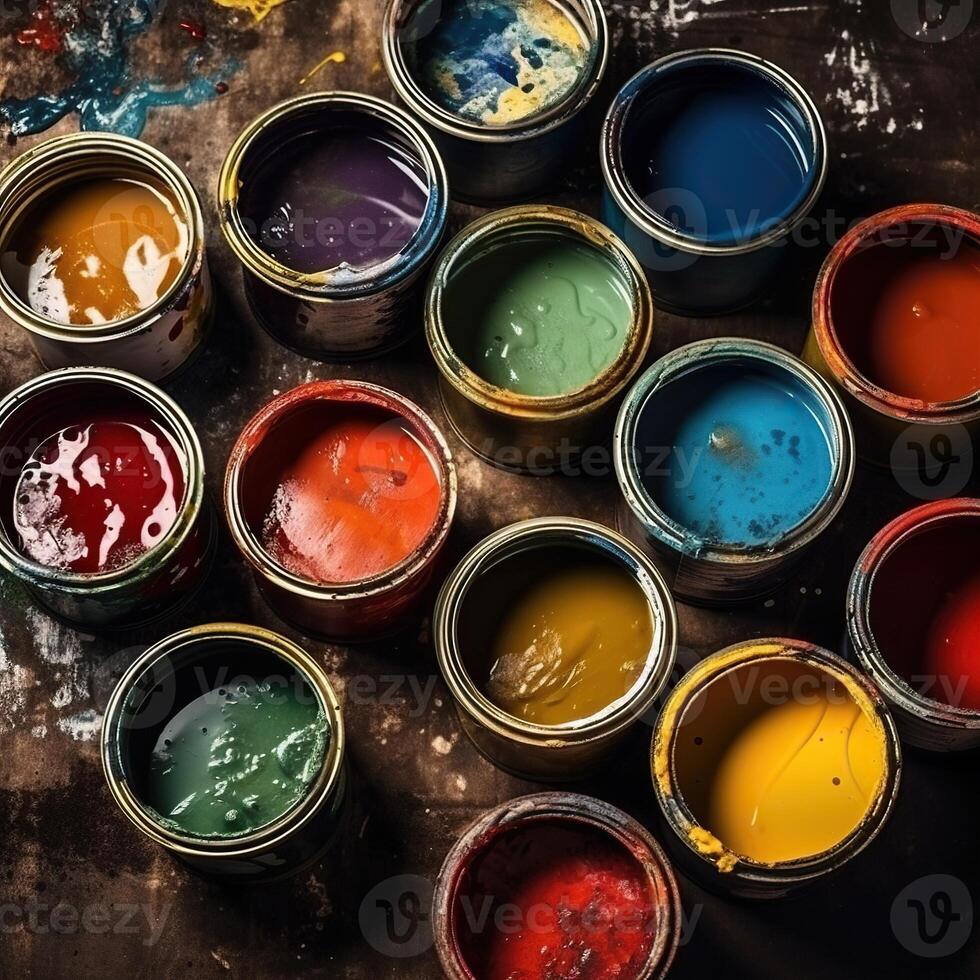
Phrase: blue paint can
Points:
(712, 158)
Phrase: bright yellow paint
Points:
(259, 9)
(335, 57)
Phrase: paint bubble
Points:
(933, 916)
(932, 21)
(396, 916)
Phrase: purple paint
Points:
(338, 199)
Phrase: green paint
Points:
(235, 760)
(542, 315)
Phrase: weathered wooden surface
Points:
(903, 125)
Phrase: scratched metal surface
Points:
(903, 126)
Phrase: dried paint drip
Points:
(259, 9)
(94, 41)
(497, 62)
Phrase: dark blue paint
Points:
(719, 151)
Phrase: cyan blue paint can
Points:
(712, 158)
(733, 456)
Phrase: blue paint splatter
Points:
(96, 50)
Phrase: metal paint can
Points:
(167, 574)
(337, 313)
(689, 273)
(166, 678)
(534, 434)
(897, 432)
(573, 812)
(922, 697)
(352, 611)
(552, 753)
(503, 163)
(158, 340)
(695, 849)
(698, 570)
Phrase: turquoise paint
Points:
(746, 454)
(105, 92)
(719, 151)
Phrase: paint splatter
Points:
(259, 9)
(335, 57)
(44, 32)
(95, 39)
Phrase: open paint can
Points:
(733, 457)
(774, 764)
(913, 617)
(896, 326)
(334, 203)
(556, 884)
(340, 495)
(503, 86)
(554, 636)
(537, 318)
(225, 744)
(103, 511)
(712, 158)
(102, 255)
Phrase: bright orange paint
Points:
(358, 496)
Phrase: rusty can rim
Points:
(571, 808)
(592, 17)
(93, 583)
(298, 816)
(693, 357)
(839, 363)
(540, 532)
(386, 581)
(632, 205)
(561, 222)
(869, 654)
(65, 153)
(318, 287)
(682, 822)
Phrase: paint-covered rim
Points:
(684, 824)
(72, 158)
(549, 532)
(919, 520)
(536, 220)
(706, 354)
(342, 393)
(843, 369)
(328, 285)
(632, 204)
(158, 657)
(177, 424)
(589, 14)
(574, 809)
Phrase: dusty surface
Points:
(902, 118)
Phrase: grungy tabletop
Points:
(81, 894)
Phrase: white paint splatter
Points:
(442, 745)
(83, 727)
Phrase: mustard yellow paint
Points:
(259, 9)
(777, 761)
(572, 644)
(335, 57)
